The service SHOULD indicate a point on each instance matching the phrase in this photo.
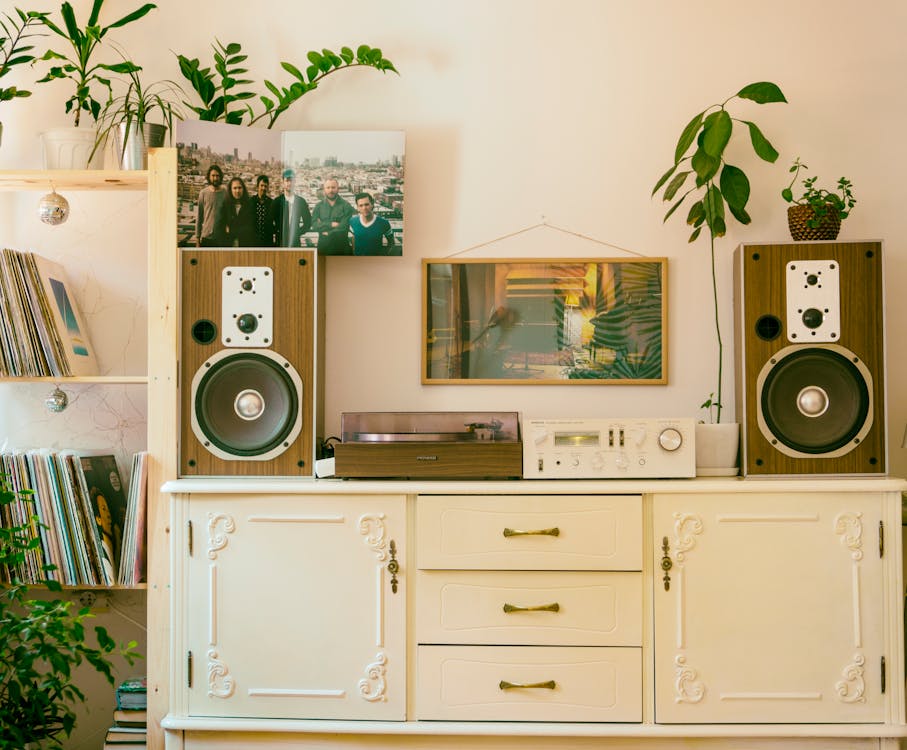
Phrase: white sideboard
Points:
(576, 614)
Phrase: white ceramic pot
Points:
(70, 148)
(717, 446)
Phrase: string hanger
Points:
(545, 224)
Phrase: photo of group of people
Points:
(338, 191)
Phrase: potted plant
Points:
(71, 147)
(41, 642)
(138, 119)
(721, 191)
(218, 93)
(15, 49)
(818, 213)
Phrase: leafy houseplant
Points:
(818, 213)
(77, 65)
(720, 187)
(41, 643)
(218, 92)
(139, 118)
(15, 48)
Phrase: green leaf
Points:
(716, 130)
(674, 185)
(705, 166)
(762, 93)
(134, 16)
(787, 194)
(735, 187)
(695, 235)
(687, 137)
(233, 48)
(761, 146)
(696, 214)
(663, 179)
(673, 208)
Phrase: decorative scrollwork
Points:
(372, 527)
(849, 526)
(373, 686)
(220, 683)
(687, 689)
(852, 688)
(217, 538)
(686, 525)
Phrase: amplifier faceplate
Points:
(594, 448)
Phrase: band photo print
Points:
(340, 192)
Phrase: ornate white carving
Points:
(687, 689)
(685, 526)
(372, 527)
(849, 527)
(852, 688)
(217, 538)
(220, 683)
(373, 687)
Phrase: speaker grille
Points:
(246, 404)
(815, 400)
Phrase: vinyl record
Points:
(815, 400)
(246, 404)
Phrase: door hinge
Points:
(188, 669)
(881, 539)
(884, 680)
(189, 537)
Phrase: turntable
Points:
(429, 445)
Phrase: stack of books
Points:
(130, 719)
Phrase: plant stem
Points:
(717, 328)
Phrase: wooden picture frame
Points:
(549, 321)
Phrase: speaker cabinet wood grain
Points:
(250, 379)
(810, 358)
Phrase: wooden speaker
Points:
(250, 393)
(810, 358)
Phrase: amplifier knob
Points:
(670, 439)
(621, 461)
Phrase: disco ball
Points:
(53, 209)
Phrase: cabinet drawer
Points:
(529, 608)
(569, 532)
(482, 683)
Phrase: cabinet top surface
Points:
(280, 485)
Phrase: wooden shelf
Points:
(102, 379)
(74, 179)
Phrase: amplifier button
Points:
(670, 439)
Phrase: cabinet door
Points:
(771, 609)
(294, 609)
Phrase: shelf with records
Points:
(90, 527)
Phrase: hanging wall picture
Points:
(576, 321)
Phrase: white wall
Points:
(530, 111)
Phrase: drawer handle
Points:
(534, 532)
(553, 607)
(549, 685)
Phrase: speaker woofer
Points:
(814, 400)
(246, 404)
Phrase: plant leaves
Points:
(687, 137)
(735, 187)
(716, 132)
(761, 146)
(674, 185)
(663, 179)
(763, 92)
(705, 166)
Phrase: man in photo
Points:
(292, 217)
(331, 219)
(209, 223)
(263, 211)
(371, 234)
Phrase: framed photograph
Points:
(340, 191)
(576, 321)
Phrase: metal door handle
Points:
(553, 607)
(549, 685)
(535, 532)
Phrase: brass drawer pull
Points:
(535, 532)
(553, 607)
(549, 685)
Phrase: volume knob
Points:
(670, 439)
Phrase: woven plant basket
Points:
(798, 216)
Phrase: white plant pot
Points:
(717, 446)
(69, 148)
